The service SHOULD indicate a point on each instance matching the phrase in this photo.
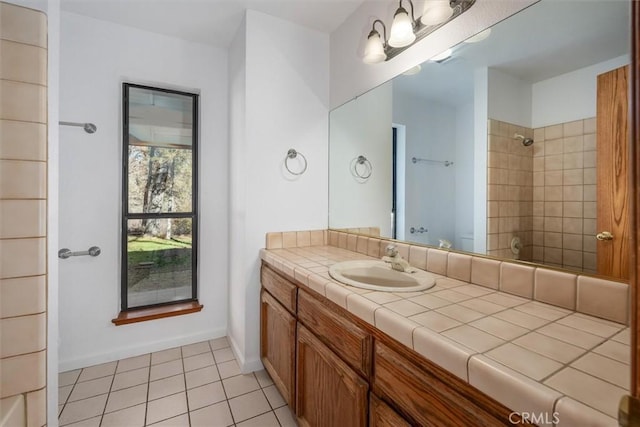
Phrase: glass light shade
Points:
(374, 49)
(442, 56)
(436, 12)
(401, 30)
(479, 37)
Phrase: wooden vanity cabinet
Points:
(278, 345)
(329, 392)
(382, 415)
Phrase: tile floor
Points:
(194, 385)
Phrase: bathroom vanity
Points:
(351, 357)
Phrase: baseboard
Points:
(246, 366)
(138, 349)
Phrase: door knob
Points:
(605, 235)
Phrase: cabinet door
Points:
(329, 392)
(278, 345)
(381, 415)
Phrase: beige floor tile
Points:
(405, 308)
(217, 415)
(587, 389)
(63, 393)
(167, 369)
(263, 378)
(473, 338)
(285, 417)
(550, 347)
(130, 379)
(524, 361)
(571, 335)
(127, 397)
(166, 386)
(130, 417)
(194, 349)
(133, 363)
(179, 421)
(91, 388)
(499, 328)
(202, 376)
(265, 420)
(223, 355)
(274, 397)
(240, 384)
(166, 355)
(198, 361)
(615, 350)
(68, 378)
(205, 395)
(604, 368)
(249, 405)
(93, 372)
(82, 410)
(435, 321)
(219, 343)
(166, 407)
(461, 314)
(91, 422)
(521, 319)
(590, 325)
(228, 369)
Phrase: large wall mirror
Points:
(512, 144)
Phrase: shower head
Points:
(525, 141)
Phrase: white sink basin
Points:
(379, 276)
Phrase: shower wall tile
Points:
(23, 63)
(23, 207)
(23, 25)
(23, 140)
(22, 296)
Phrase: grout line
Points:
(184, 378)
(113, 378)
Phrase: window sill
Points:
(152, 313)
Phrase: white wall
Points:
(430, 187)
(96, 56)
(362, 127)
(510, 98)
(351, 77)
(571, 96)
(286, 105)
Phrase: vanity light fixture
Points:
(479, 37)
(406, 30)
(402, 29)
(442, 56)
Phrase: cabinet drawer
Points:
(282, 289)
(381, 415)
(346, 339)
(426, 399)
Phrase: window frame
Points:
(126, 215)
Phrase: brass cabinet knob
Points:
(605, 235)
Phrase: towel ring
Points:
(368, 168)
(292, 154)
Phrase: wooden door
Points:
(381, 415)
(329, 392)
(278, 345)
(612, 170)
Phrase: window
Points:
(159, 196)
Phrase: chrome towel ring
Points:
(292, 154)
(361, 167)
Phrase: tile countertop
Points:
(530, 356)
